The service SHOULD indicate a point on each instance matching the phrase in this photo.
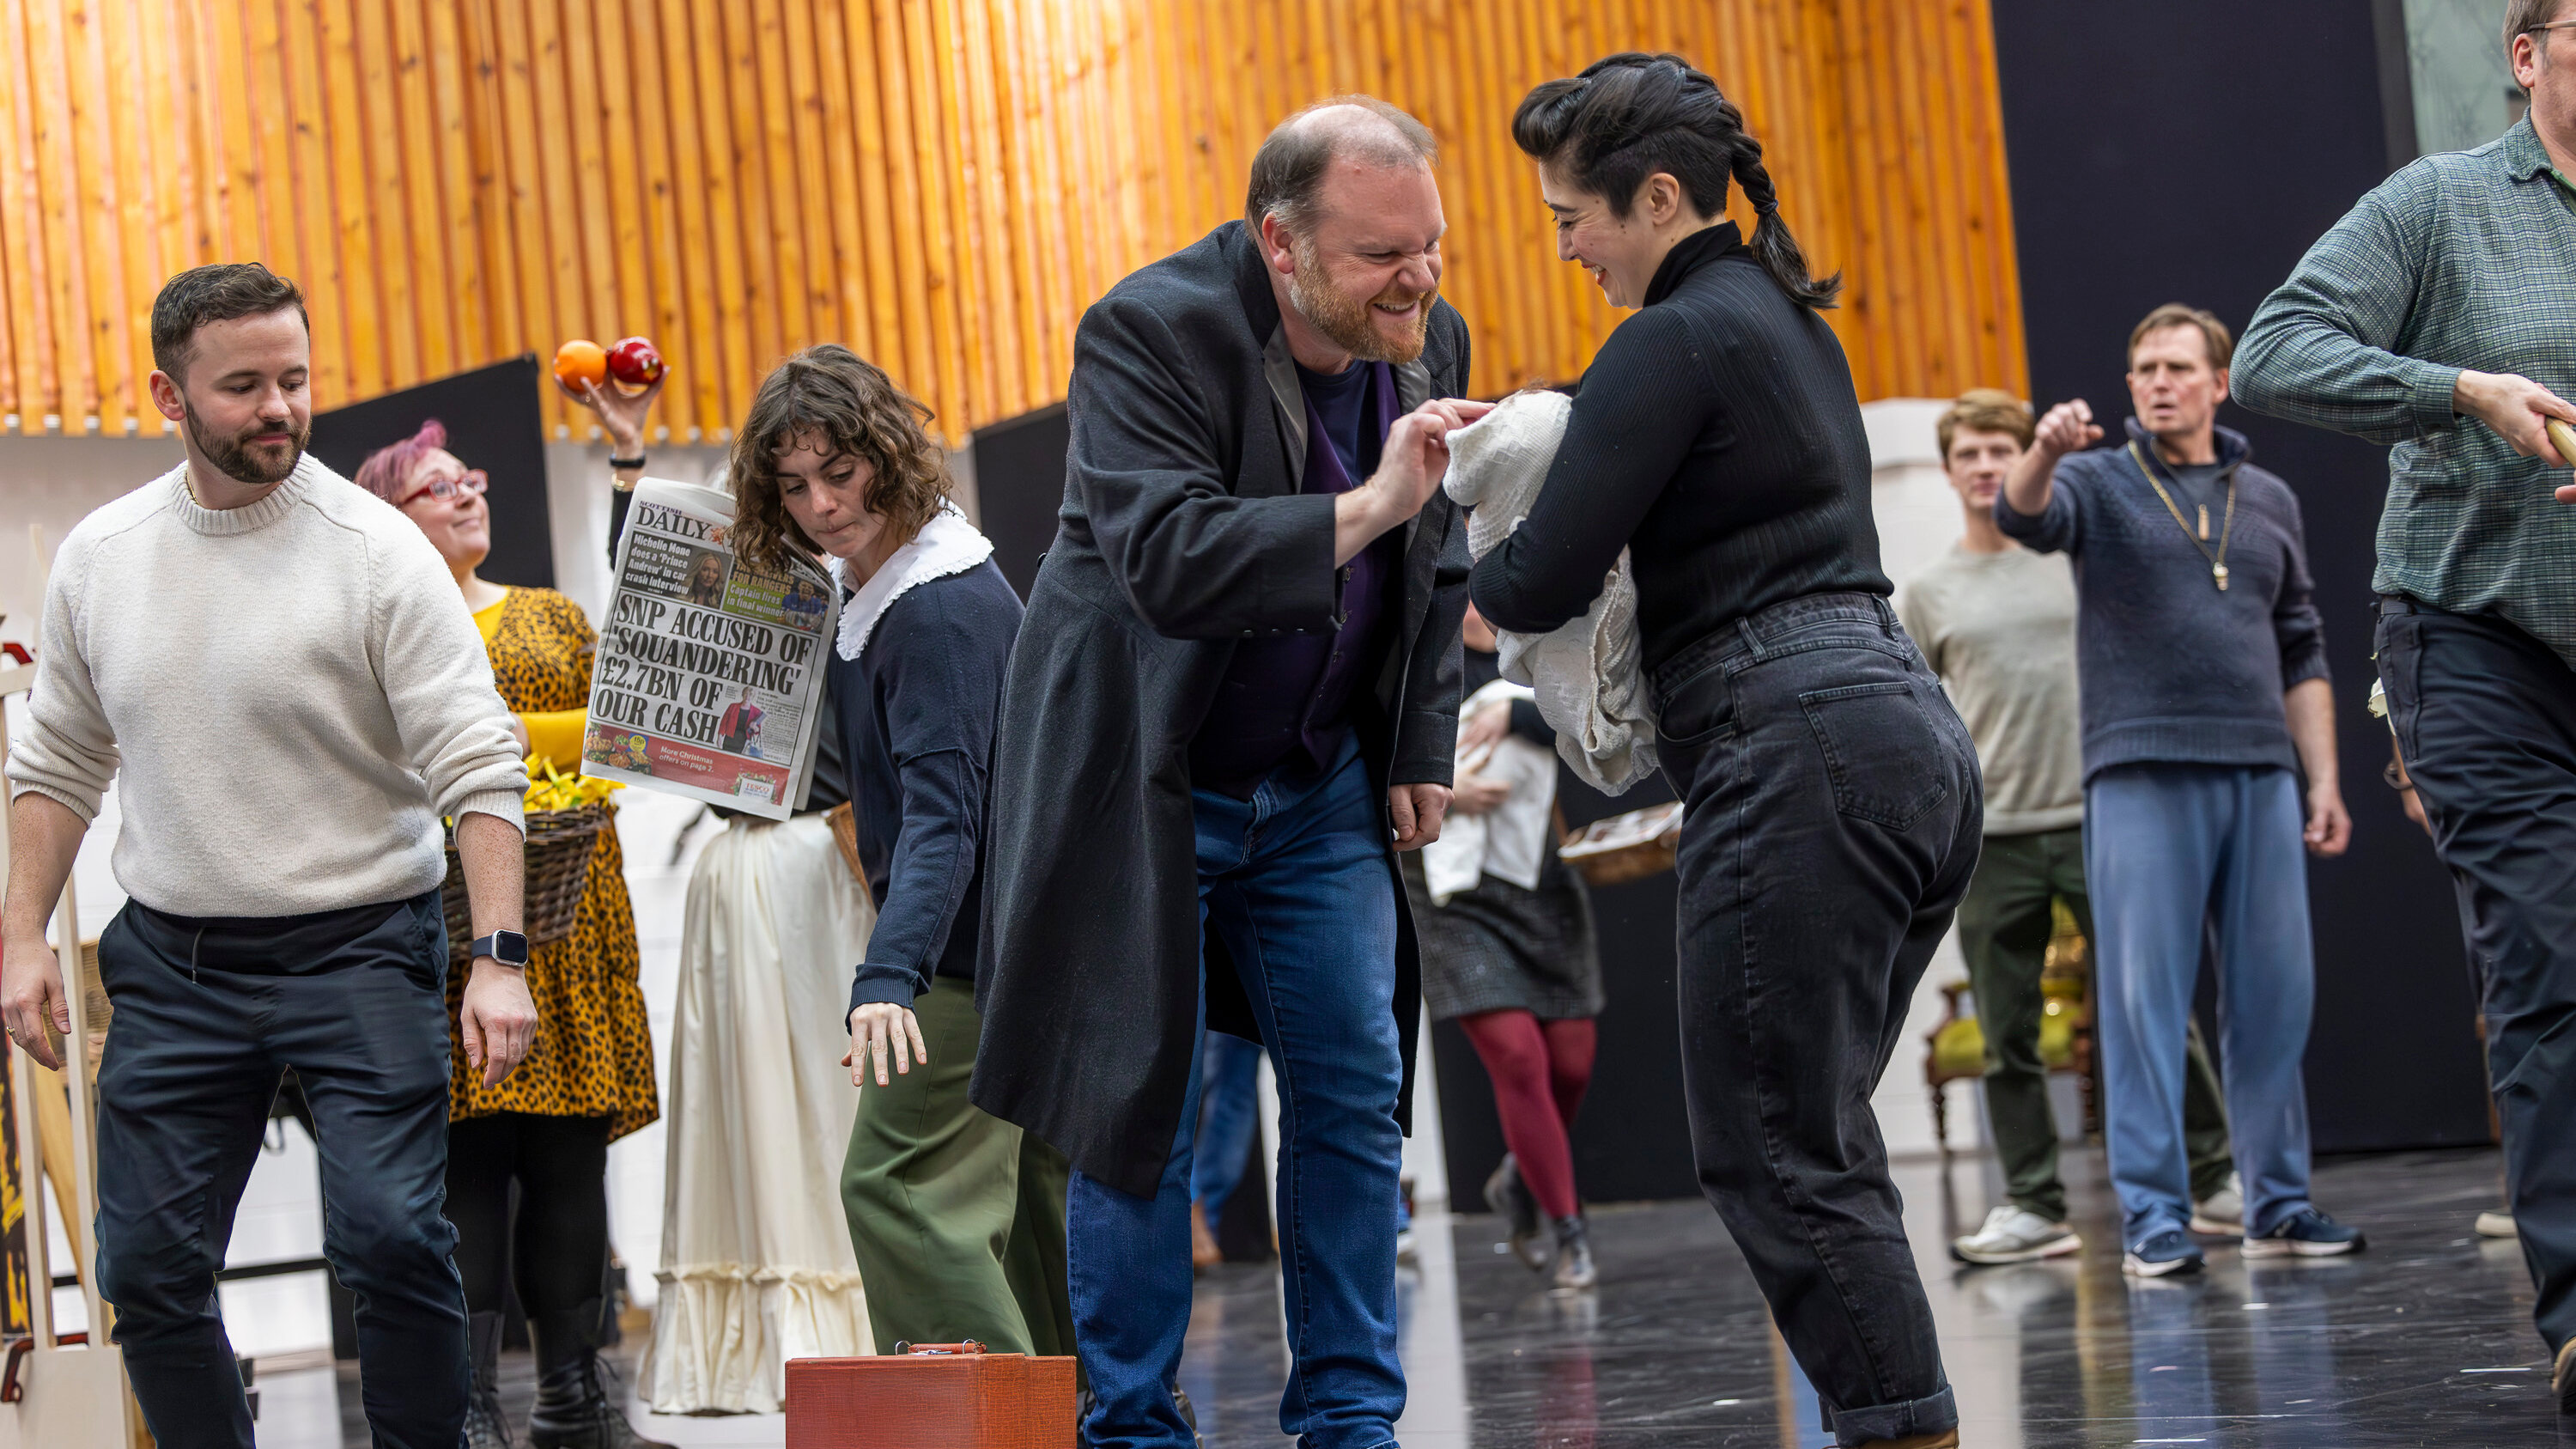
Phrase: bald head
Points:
(1289, 170)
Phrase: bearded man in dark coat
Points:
(1235, 696)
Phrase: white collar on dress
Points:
(947, 545)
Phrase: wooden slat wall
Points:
(943, 184)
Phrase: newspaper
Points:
(709, 678)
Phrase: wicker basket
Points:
(560, 843)
(1625, 847)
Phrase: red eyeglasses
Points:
(468, 483)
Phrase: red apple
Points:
(634, 363)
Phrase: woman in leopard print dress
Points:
(588, 1078)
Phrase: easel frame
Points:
(67, 1395)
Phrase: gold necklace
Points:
(2218, 560)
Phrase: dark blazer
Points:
(1182, 532)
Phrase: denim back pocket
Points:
(1880, 749)
(1702, 709)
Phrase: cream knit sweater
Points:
(293, 689)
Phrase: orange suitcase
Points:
(931, 1396)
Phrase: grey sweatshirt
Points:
(2173, 668)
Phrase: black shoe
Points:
(1506, 1194)
(1180, 1401)
(573, 1408)
(1574, 1253)
(485, 1426)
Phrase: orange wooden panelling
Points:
(944, 184)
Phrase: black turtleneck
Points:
(1717, 438)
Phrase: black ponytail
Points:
(1631, 115)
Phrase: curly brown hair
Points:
(829, 389)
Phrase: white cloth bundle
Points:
(1511, 841)
(1585, 673)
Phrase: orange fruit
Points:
(580, 361)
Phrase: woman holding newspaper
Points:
(756, 1266)
(588, 1079)
(1832, 811)
(956, 1217)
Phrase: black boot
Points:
(1506, 1194)
(573, 1409)
(485, 1426)
(1574, 1253)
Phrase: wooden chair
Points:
(1957, 1042)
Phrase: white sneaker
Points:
(2012, 1235)
(2222, 1213)
(2496, 1223)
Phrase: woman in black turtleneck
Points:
(1834, 809)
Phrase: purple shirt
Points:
(1289, 695)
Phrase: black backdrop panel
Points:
(1632, 1142)
(493, 423)
(2167, 153)
(1019, 482)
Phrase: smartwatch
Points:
(507, 947)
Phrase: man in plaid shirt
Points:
(2440, 316)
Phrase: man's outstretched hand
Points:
(1410, 466)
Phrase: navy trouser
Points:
(1296, 882)
(2486, 717)
(209, 1014)
(1832, 819)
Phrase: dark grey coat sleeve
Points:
(1426, 739)
(1196, 561)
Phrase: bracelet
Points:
(635, 462)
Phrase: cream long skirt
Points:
(756, 1264)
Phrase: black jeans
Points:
(2486, 718)
(209, 1014)
(1832, 822)
(555, 1251)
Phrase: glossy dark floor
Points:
(2425, 1339)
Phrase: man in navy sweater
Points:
(2205, 698)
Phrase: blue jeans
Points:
(1230, 1068)
(1295, 882)
(2171, 850)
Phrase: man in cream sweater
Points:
(278, 663)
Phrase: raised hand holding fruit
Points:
(635, 363)
(580, 361)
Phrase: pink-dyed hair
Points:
(388, 468)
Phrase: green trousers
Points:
(956, 1216)
(2004, 927)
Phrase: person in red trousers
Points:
(1516, 965)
